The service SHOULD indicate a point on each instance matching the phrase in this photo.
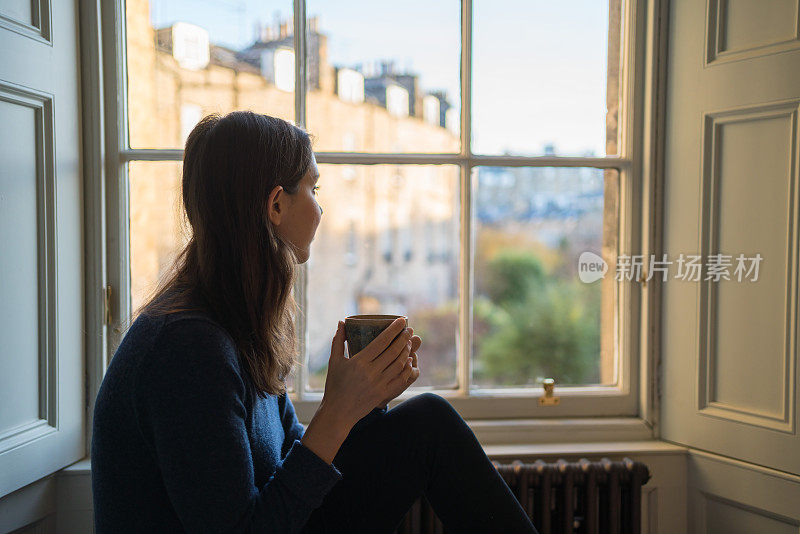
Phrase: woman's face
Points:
(296, 217)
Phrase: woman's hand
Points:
(355, 385)
(383, 370)
(412, 362)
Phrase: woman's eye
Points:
(316, 189)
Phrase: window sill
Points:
(572, 430)
(81, 467)
(606, 448)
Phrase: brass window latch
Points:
(549, 399)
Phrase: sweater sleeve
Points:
(292, 428)
(190, 399)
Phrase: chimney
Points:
(327, 74)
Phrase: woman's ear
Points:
(276, 205)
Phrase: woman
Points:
(193, 429)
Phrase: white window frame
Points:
(626, 411)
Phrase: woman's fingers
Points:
(414, 369)
(413, 378)
(413, 373)
(376, 347)
(407, 376)
(400, 382)
(411, 370)
(392, 353)
(408, 369)
(401, 361)
(337, 345)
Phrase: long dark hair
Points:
(234, 263)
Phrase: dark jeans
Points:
(420, 447)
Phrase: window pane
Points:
(384, 77)
(187, 59)
(156, 232)
(534, 317)
(291, 380)
(552, 89)
(387, 243)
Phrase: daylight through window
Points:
(469, 221)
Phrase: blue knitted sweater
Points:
(181, 444)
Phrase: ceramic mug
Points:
(360, 330)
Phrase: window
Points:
(468, 159)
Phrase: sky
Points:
(539, 66)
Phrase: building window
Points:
(470, 221)
(190, 116)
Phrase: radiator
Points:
(563, 497)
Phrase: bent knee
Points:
(438, 407)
